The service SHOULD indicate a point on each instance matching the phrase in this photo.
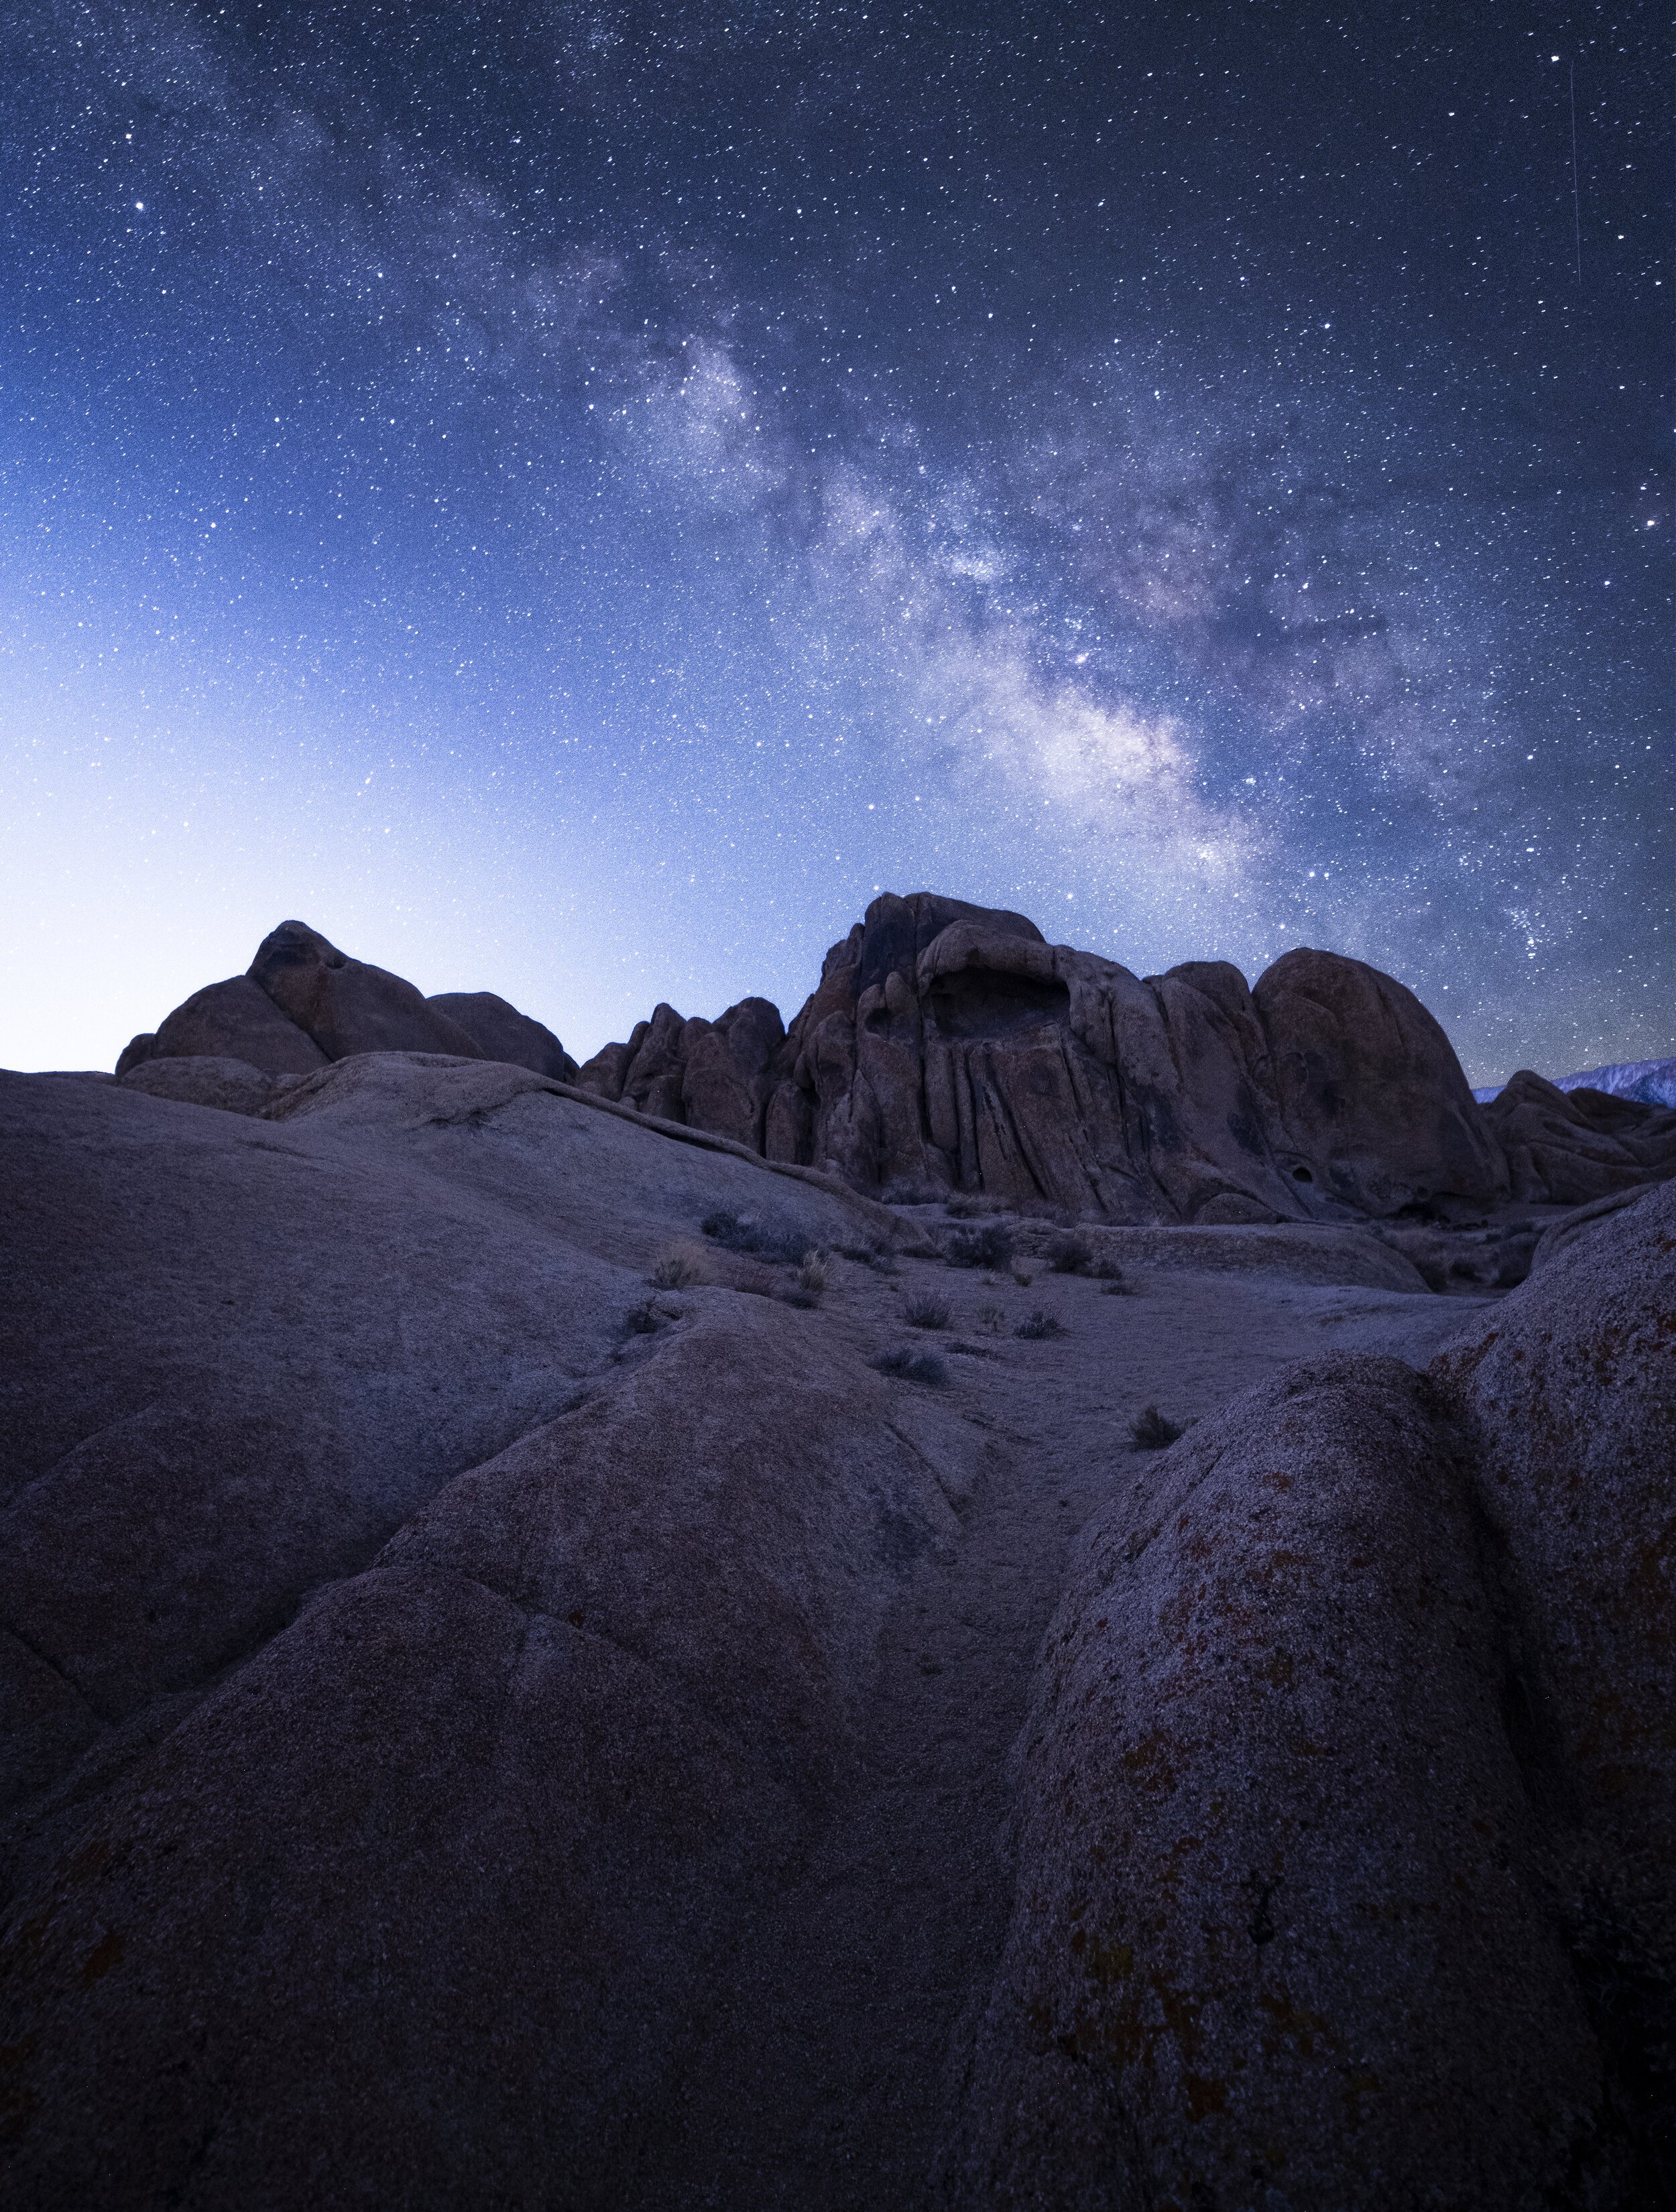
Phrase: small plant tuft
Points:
(676, 1270)
(641, 1321)
(988, 1246)
(912, 1366)
(1039, 1325)
(1023, 1280)
(1151, 1430)
(991, 1317)
(741, 1232)
(926, 1312)
(811, 1276)
(1070, 1255)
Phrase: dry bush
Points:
(1151, 1430)
(678, 1269)
(1069, 1255)
(1039, 1325)
(912, 1366)
(926, 1312)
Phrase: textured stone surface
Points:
(1345, 1807)
(428, 1899)
(347, 1005)
(1572, 1387)
(232, 1086)
(1567, 1147)
(234, 1020)
(950, 1047)
(710, 1075)
(476, 1728)
(1371, 1089)
(500, 1032)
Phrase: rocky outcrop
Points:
(348, 1005)
(407, 1688)
(949, 1047)
(710, 1075)
(1348, 1791)
(1567, 1147)
(234, 1020)
(1371, 1089)
(304, 1005)
(500, 1032)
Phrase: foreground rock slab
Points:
(1345, 1805)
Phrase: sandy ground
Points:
(849, 1987)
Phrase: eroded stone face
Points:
(1346, 1804)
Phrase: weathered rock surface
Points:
(479, 1729)
(711, 1075)
(949, 1047)
(234, 1020)
(304, 1005)
(1567, 1147)
(234, 1087)
(500, 1032)
(1345, 1802)
(1371, 1089)
(348, 1005)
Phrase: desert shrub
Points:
(1151, 1430)
(641, 1321)
(1113, 1286)
(1022, 1279)
(1069, 1254)
(676, 1270)
(775, 1240)
(910, 1190)
(991, 1317)
(924, 1312)
(988, 1246)
(811, 1275)
(912, 1366)
(1040, 1324)
(879, 1257)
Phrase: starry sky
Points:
(573, 499)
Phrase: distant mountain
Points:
(1649, 1082)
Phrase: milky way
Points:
(574, 501)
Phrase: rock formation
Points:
(481, 1725)
(1348, 1791)
(1568, 1147)
(949, 1048)
(304, 1004)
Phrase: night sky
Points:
(574, 501)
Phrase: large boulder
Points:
(234, 1020)
(1570, 1385)
(1568, 1147)
(347, 1005)
(412, 1680)
(500, 1032)
(1370, 1090)
(1346, 1805)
